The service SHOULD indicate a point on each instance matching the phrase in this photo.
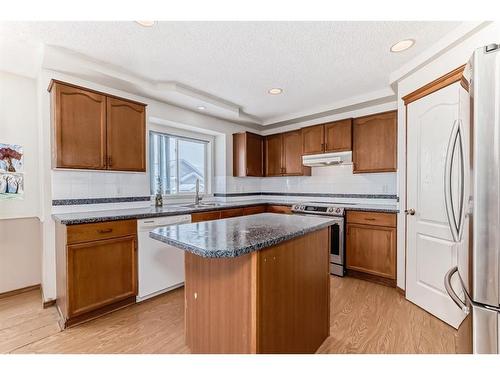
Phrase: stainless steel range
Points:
(337, 252)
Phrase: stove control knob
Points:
(337, 210)
(302, 208)
(330, 209)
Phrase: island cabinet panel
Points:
(96, 269)
(275, 300)
(219, 307)
(94, 130)
(293, 295)
(371, 246)
(79, 131)
(313, 138)
(126, 135)
(375, 143)
(338, 136)
(248, 155)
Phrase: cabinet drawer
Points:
(372, 218)
(254, 210)
(98, 231)
(233, 212)
(279, 209)
(205, 216)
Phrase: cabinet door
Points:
(273, 155)
(292, 153)
(126, 134)
(313, 138)
(374, 143)
(338, 136)
(254, 155)
(79, 128)
(101, 273)
(371, 249)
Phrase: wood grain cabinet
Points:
(96, 269)
(283, 155)
(371, 245)
(330, 137)
(375, 143)
(248, 155)
(93, 130)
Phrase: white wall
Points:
(445, 63)
(20, 240)
(18, 125)
(20, 253)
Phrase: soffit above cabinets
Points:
(228, 67)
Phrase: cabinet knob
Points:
(110, 161)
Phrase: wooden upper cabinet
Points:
(126, 135)
(79, 131)
(283, 155)
(375, 143)
(93, 130)
(313, 140)
(248, 155)
(292, 154)
(338, 136)
(274, 153)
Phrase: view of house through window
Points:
(177, 163)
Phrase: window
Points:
(177, 162)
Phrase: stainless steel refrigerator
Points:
(478, 201)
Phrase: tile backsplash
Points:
(334, 179)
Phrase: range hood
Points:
(324, 160)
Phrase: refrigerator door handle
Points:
(447, 181)
(449, 289)
(461, 218)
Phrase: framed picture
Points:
(11, 171)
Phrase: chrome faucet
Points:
(197, 197)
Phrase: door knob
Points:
(410, 211)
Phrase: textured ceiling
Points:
(316, 63)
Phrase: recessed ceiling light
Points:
(146, 23)
(402, 45)
(275, 91)
(201, 107)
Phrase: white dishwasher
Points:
(161, 266)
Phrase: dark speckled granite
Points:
(171, 210)
(229, 238)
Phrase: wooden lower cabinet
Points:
(96, 274)
(371, 248)
(235, 212)
(277, 209)
(275, 300)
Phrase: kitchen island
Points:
(255, 284)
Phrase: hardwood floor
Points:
(365, 318)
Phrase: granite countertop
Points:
(229, 238)
(180, 209)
